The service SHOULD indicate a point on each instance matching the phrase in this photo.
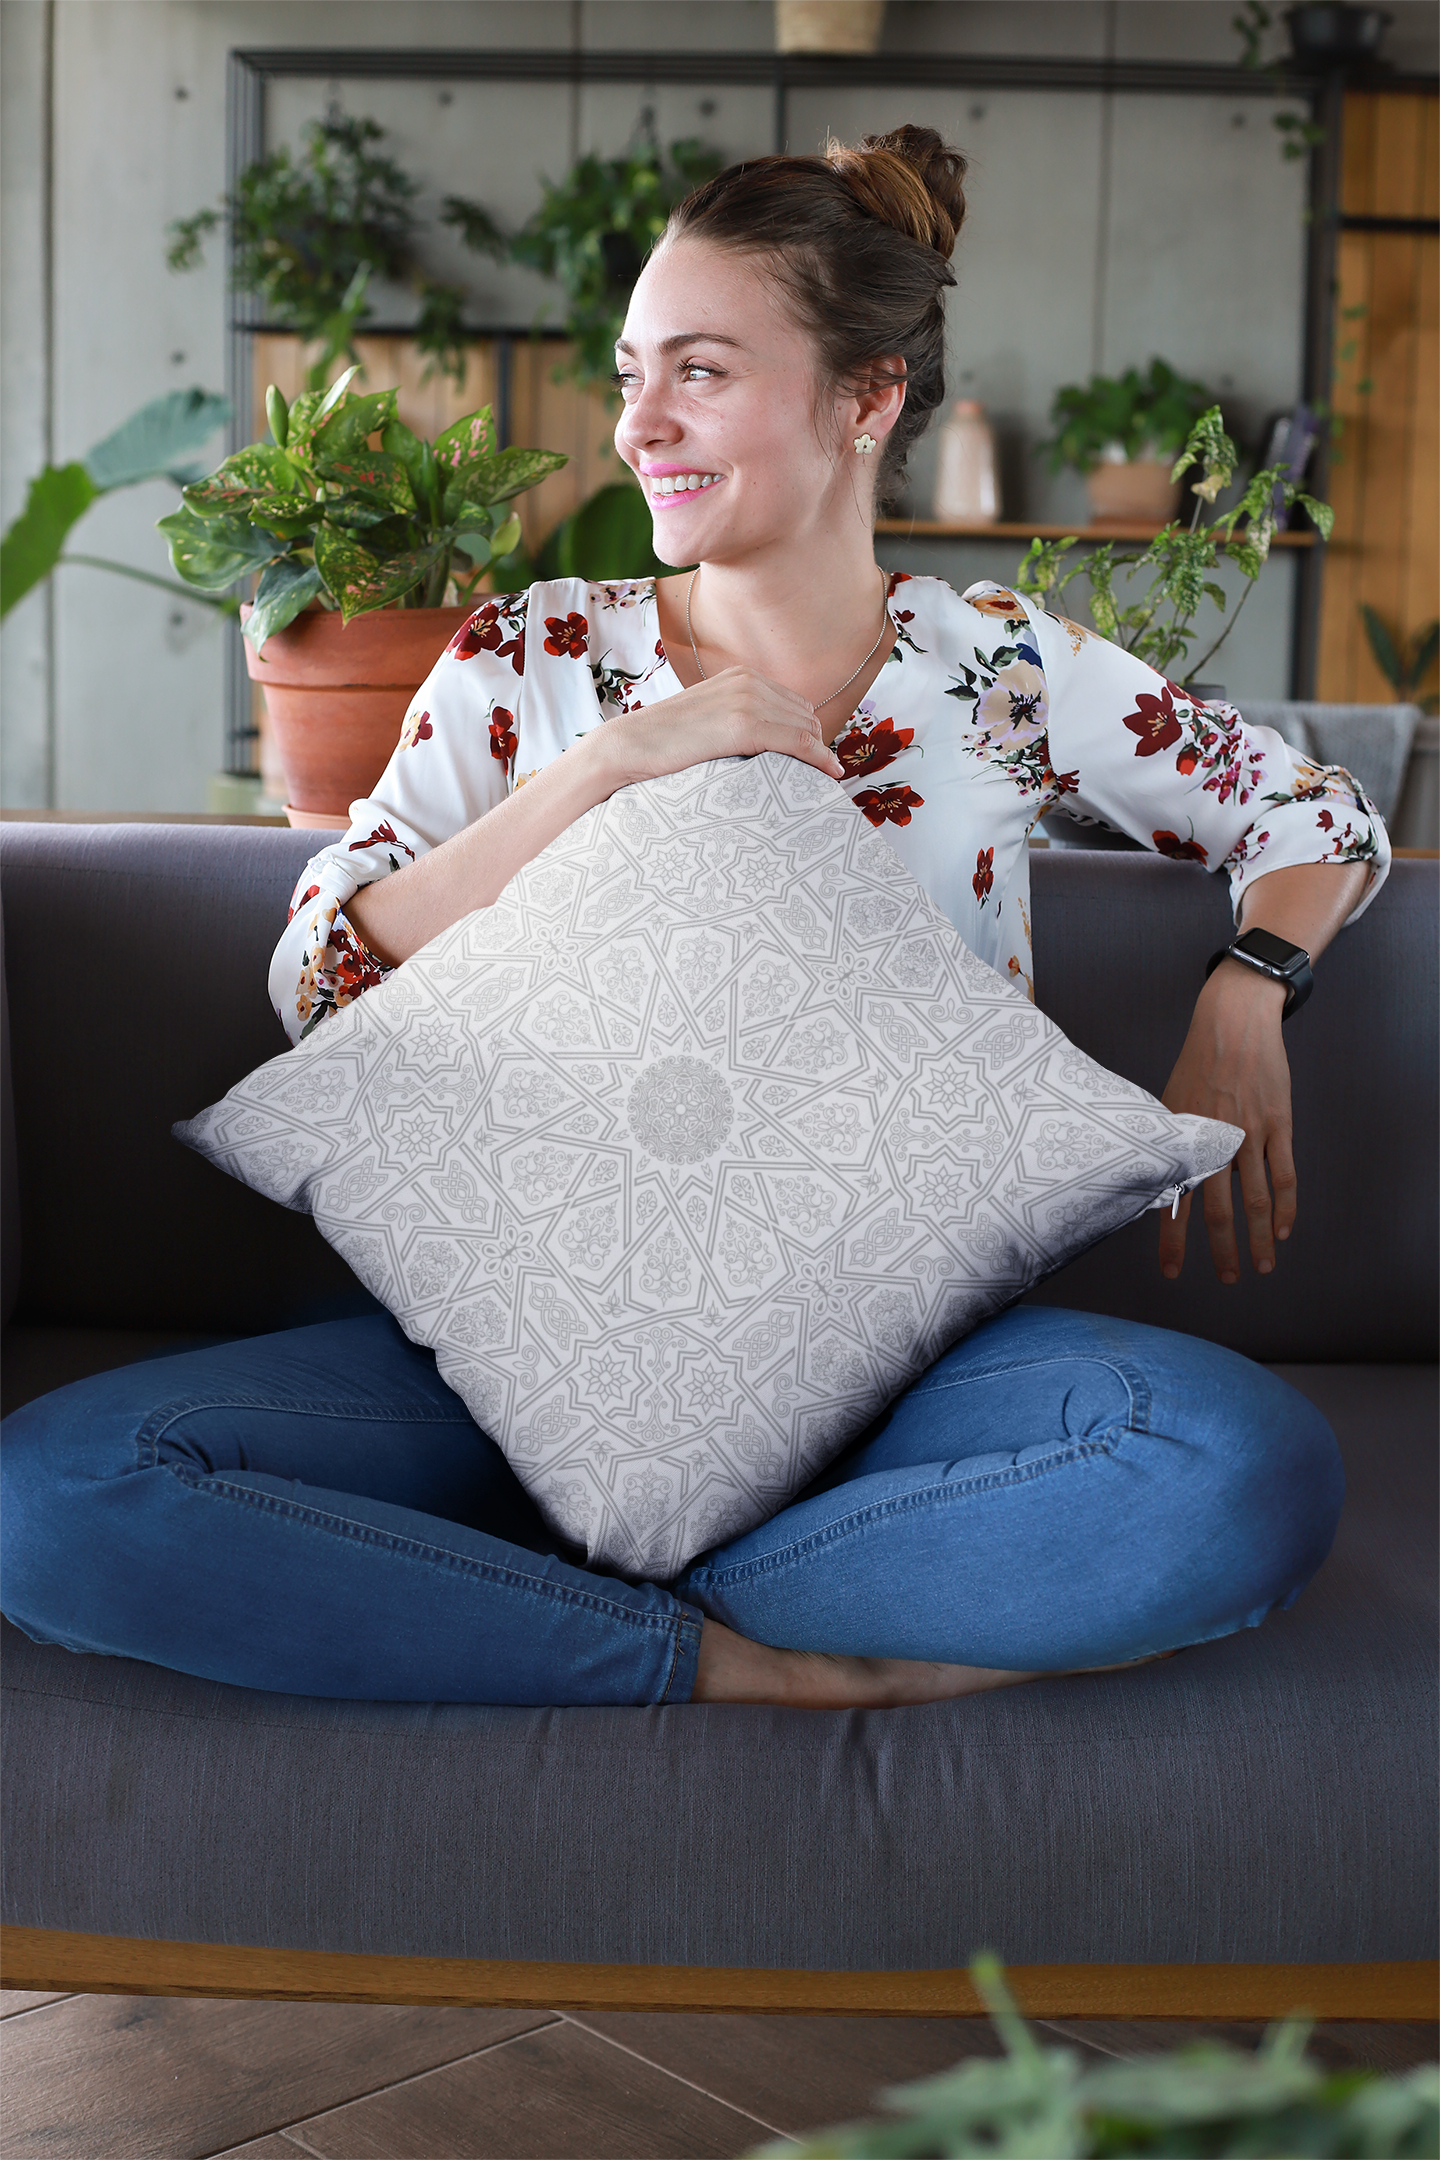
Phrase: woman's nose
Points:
(649, 418)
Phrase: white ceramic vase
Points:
(967, 481)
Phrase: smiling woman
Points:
(783, 349)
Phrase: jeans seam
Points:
(407, 1548)
(907, 1503)
(1131, 1378)
(681, 1623)
(153, 1429)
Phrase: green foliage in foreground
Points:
(1158, 627)
(1043, 2103)
(152, 444)
(323, 515)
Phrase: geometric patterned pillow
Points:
(691, 1152)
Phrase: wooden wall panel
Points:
(1385, 481)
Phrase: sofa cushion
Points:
(683, 1191)
(1263, 1799)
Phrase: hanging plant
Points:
(309, 232)
(594, 229)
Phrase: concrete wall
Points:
(1102, 230)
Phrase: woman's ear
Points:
(876, 407)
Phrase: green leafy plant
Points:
(1404, 662)
(1298, 135)
(309, 232)
(153, 444)
(1160, 625)
(593, 231)
(1144, 415)
(1044, 2103)
(325, 515)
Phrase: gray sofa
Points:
(1265, 1801)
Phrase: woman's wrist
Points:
(1245, 988)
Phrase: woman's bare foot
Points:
(734, 1669)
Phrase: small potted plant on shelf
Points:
(369, 543)
(1160, 624)
(1123, 433)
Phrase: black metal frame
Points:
(249, 72)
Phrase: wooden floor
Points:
(131, 2077)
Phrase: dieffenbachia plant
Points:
(348, 506)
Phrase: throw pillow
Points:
(688, 1155)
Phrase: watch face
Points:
(1274, 951)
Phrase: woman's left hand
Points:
(1233, 1066)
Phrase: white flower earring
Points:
(864, 444)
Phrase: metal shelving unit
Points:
(250, 72)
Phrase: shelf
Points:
(943, 529)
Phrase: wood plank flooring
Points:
(115, 2077)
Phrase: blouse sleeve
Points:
(1193, 780)
(453, 762)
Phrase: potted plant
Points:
(1160, 624)
(1123, 433)
(347, 513)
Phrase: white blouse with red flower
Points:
(987, 714)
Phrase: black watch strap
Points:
(1272, 956)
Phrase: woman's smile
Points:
(667, 486)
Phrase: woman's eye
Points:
(692, 370)
(625, 379)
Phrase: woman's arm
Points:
(736, 713)
(1233, 1066)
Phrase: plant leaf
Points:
(360, 581)
(511, 473)
(31, 547)
(1321, 515)
(1422, 659)
(372, 474)
(288, 585)
(348, 430)
(465, 440)
(211, 553)
(1382, 645)
(262, 470)
(333, 395)
(152, 442)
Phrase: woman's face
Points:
(723, 421)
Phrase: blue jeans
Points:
(315, 1512)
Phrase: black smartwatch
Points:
(1272, 956)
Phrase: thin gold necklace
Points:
(884, 626)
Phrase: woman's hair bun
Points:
(910, 179)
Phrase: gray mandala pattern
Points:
(683, 1170)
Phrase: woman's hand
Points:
(1234, 1067)
(733, 714)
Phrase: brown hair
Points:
(862, 239)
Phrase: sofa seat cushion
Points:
(1267, 1798)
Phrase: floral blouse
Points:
(987, 714)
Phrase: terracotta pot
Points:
(828, 26)
(337, 697)
(1138, 493)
